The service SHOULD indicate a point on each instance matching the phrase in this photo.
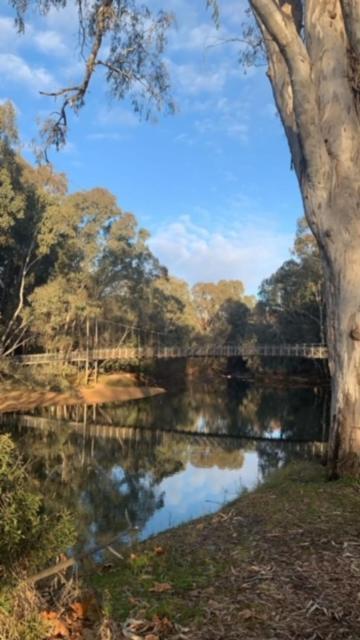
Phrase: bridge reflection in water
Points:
(215, 444)
(150, 435)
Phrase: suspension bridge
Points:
(95, 341)
(129, 353)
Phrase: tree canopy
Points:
(67, 258)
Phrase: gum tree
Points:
(312, 49)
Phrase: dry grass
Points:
(19, 614)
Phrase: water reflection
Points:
(141, 467)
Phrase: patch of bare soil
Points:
(108, 389)
(101, 393)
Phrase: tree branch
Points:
(281, 28)
(55, 130)
(19, 343)
(120, 71)
(283, 95)
(24, 272)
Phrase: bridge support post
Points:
(96, 344)
(87, 350)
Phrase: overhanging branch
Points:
(281, 28)
(55, 129)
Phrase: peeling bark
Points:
(351, 13)
(313, 58)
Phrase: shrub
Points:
(31, 533)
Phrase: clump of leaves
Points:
(31, 533)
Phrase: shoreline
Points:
(111, 388)
(279, 562)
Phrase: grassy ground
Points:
(280, 563)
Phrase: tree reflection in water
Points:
(111, 477)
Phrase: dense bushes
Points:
(31, 533)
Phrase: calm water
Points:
(134, 469)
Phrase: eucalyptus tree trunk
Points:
(313, 52)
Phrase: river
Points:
(134, 469)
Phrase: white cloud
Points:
(8, 34)
(226, 124)
(248, 251)
(50, 42)
(193, 79)
(106, 135)
(234, 12)
(118, 116)
(65, 20)
(69, 148)
(47, 41)
(197, 38)
(46, 34)
(229, 117)
(184, 138)
(13, 68)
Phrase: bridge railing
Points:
(314, 351)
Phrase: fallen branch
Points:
(72, 562)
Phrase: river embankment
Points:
(281, 562)
(119, 387)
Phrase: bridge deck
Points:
(313, 351)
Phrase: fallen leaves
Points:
(72, 623)
(161, 587)
(54, 624)
(80, 609)
(155, 629)
(246, 614)
(273, 570)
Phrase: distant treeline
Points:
(66, 258)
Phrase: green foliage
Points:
(133, 58)
(292, 300)
(223, 309)
(8, 128)
(291, 306)
(66, 258)
(30, 531)
(174, 311)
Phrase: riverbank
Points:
(119, 387)
(282, 562)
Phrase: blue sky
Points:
(212, 183)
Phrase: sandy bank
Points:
(114, 388)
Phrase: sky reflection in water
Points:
(157, 480)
